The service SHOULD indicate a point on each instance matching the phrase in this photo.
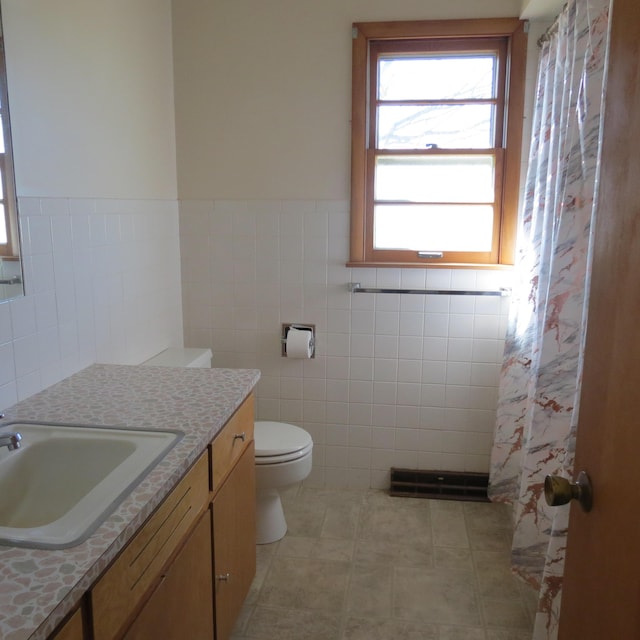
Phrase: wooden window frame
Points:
(443, 33)
(10, 250)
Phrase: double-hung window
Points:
(436, 138)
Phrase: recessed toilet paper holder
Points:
(301, 327)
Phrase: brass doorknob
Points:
(559, 490)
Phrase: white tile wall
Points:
(102, 284)
(398, 380)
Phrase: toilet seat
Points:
(285, 457)
(279, 442)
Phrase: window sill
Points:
(429, 265)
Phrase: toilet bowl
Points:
(283, 457)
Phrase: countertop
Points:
(39, 587)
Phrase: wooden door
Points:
(181, 607)
(234, 542)
(601, 595)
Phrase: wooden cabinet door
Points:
(234, 542)
(72, 630)
(182, 604)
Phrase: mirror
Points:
(11, 280)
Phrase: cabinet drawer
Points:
(119, 592)
(231, 442)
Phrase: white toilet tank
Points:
(182, 357)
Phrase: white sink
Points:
(64, 480)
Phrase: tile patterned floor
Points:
(361, 565)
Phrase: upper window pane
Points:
(467, 126)
(437, 77)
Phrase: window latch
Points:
(430, 254)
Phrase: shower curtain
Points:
(540, 379)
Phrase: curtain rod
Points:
(552, 30)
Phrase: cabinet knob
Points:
(223, 577)
(242, 436)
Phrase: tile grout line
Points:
(344, 617)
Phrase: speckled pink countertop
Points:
(39, 587)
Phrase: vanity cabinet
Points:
(187, 571)
(234, 517)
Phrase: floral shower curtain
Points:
(540, 379)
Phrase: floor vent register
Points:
(442, 485)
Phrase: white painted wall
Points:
(263, 91)
(91, 98)
(541, 9)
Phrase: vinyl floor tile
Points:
(293, 624)
(307, 584)
(361, 565)
(436, 596)
(377, 629)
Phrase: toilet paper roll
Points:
(299, 343)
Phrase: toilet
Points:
(283, 451)
(193, 358)
(283, 457)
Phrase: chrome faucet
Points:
(10, 440)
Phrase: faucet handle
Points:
(10, 440)
(15, 441)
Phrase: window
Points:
(9, 242)
(436, 138)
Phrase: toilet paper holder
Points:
(301, 327)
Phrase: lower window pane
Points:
(433, 227)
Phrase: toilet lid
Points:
(280, 439)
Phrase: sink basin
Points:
(64, 480)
